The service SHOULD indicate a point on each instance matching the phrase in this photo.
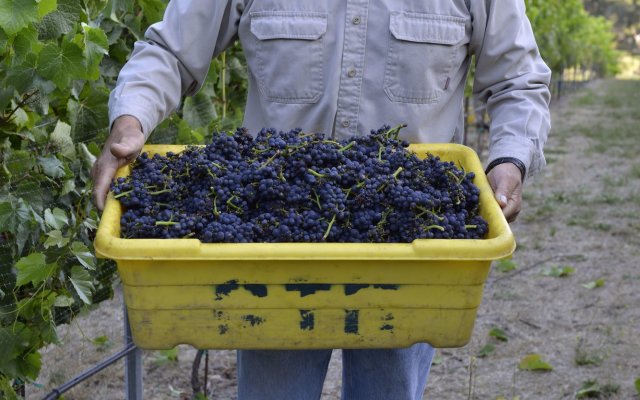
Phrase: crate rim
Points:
(108, 244)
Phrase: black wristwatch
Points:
(512, 160)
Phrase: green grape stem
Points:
(326, 234)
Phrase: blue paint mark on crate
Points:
(386, 287)
(223, 328)
(353, 288)
(307, 289)
(252, 319)
(307, 320)
(220, 315)
(351, 321)
(256, 289)
(386, 327)
(224, 289)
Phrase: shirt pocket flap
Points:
(427, 28)
(288, 25)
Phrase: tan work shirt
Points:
(344, 67)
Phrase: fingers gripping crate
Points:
(307, 295)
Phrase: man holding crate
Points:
(342, 67)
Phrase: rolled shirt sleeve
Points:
(173, 60)
(513, 81)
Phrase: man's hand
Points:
(506, 181)
(123, 146)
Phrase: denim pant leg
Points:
(281, 374)
(386, 374)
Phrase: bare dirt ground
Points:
(571, 294)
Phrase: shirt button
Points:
(351, 72)
(346, 123)
(356, 20)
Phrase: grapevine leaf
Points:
(63, 301)
(82, 282)
(102, 342)
(90, 223)
(24, 44)
(22, 75)
(5, 386)
(499, 334)
(33, 268)
(486, 350)
(95, 7)
(198, 110)
(86, 154)
(68, 187)
(96, 46)
(9, 350)
(89, 113)
(8, 217)
(46, 6)
(534, 362)
(84, 255)
(61, 137)
(60, 21)
(594, 284)
(590, 388)
(637, 384)
(558, 271)
(51, 166)
(6, 94)
(17, 14)
(61, 64)
(56, 218)
(55, 238)
(18, 163)
(152, 10)
(29, 365)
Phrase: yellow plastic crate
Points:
(306, 295)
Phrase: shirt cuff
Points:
(520, 148)
(136, 110)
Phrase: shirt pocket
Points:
(422, 51)
(289, 54)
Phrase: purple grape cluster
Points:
(299, 187)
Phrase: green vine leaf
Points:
(55, 238)
(33, 268)
(499, 334)
(46, 6)
(63, 301)
(534, 362)
(29, 365)
(56, 218)
(82, 282)
(17, 14)
(96, 46)
(61, 138)
(24, 44)
(89, 113)
(60, 21)
(61, 64)
(8, 217)
(51, 166)
(6, 389)
(84, 255)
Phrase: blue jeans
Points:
(386, 374)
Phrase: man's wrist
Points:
(512, 160)
(127, 121)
